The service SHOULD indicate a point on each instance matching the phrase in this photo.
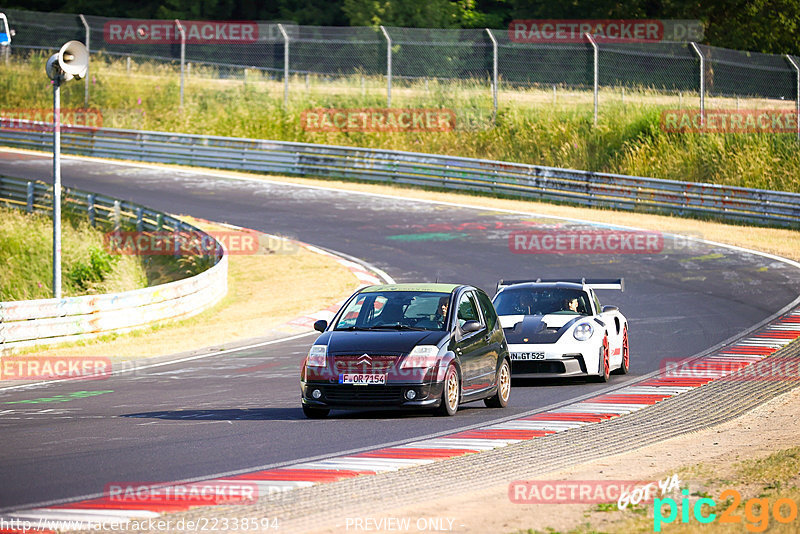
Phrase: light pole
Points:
(72, 61)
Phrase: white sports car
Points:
(557, 328)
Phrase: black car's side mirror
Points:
(471, 326)
(610, 308)
(320, 325)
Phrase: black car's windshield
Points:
(395, 310)
(542, 301)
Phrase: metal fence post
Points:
(29, 190)
(90, 209)
(702, 82)
(89, 56)
(494, 74)
(596, 71)
(117, 216)
(183, 53)
(797, 97)
(285, 66)
(388, 67)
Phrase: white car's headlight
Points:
(318, 356)
(583, 332)
(423, 356)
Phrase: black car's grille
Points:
(363, 394)
(359, 363)
(537, 367)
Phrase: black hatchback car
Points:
(408, 346)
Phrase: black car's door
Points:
(470, 347)
(494, 338)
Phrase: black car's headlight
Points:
(422, 356)
(583, 332)
(318, 356)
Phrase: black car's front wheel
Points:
(315, 413)
(500, 399)
(451, 392)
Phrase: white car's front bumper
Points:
(554, 360)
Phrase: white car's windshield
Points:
(395, 310)
(542, 301)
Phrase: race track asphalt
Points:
(241, 410)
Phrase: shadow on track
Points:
(254, 414)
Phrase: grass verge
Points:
(264, 291)
(26, 257)
(532, 126)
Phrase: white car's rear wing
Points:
(594, 283)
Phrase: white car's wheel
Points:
(626, 355)
(604, 366)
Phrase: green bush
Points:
(99, 266)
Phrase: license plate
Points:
(527, 356)
(362, 379)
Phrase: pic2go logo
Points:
(756, 511)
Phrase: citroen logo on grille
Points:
(365, 360)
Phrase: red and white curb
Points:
(717, 365)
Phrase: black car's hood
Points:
(534, 329)
(378, 341)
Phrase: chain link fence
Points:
(377, 64)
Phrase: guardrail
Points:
(38, 322)
(755, 206)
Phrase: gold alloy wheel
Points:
(504, 383)
(452, 389)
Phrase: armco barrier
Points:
(36, 322)
(755, 206)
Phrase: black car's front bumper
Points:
(348, 396)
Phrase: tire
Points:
(500, 399)
(626, 355)
(451, 392)
(605, 368)
(315, 413)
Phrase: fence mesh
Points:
(417, 56)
